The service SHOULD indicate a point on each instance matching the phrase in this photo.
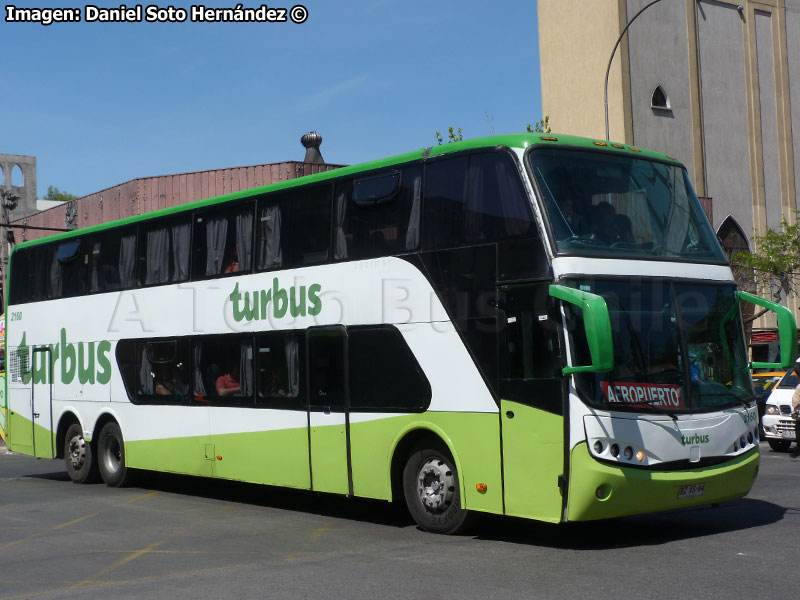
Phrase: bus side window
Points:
(293, 228)
(280, 379)
(474, 199)
(113, 261)
(163, 376)
(378, 215)
(531, 369)
(164, 251)
(384, 374)
(223, 242)
(223, 369)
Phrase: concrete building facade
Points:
(715, 83)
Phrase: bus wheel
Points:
(111, 456)
(432, 492)
(78, 456)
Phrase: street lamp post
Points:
(608, 69)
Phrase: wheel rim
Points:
(77, 452)
(436, 485)
(112, 454)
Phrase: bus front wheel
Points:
(432, 491)
(111, 456)
(78, 456)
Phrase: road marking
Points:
(41, 533)
(150, 495)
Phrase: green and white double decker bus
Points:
(529, 325)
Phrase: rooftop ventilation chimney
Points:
(311, 141)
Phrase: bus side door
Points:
(42, 402)
(532, 402)
(328, 409)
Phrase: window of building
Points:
(659, 99)
(378, 215)
(223, 369)
(113, 261)
(384, 374)
(223, 241)
(474, 199)
(164, 248)
(293, 228)
(280, 370)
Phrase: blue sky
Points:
(100, 103)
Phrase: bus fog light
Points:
(640, 456)
(742, 442)
(614, 450)
(603, 492)
(735, 446)
(598, 447)
(750, 437)
(627, 453)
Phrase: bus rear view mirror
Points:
(597, 326)
(787, 332)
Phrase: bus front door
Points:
(532, 403)
(328, 410)
(42, 402)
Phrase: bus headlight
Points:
(771, 410)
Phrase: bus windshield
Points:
(677, 347)
(604, 203)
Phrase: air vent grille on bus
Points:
(19, 364)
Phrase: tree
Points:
(53, 193)
(452, 136)
(775, 261)
(542, 126)
(456, 135)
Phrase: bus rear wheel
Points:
(432, 491)
(78, 456)
(111, 457)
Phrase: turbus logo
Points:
(695, 439)
(254, 306)
(89, 362)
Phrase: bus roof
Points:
(514, 140)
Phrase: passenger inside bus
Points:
(228, 383)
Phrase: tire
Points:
(111, 457)
(779, 445)
(432, 491)
(79, 456)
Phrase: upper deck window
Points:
(602, 203)
(474, 199)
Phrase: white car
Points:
(777, 422)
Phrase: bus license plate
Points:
(692, 491)
(788, 434)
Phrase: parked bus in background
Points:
(530, 325)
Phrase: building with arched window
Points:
(715, 83)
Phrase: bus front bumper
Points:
(602, 491)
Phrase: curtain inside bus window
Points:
(145, 373)
(246, 368)
(216, 237)
(127, 261)
(412, 233)
(157, 256)
(270, 255)
(340, 241)
(181, 236)
(244, 238)
(292, 366)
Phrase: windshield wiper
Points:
(655, 405)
